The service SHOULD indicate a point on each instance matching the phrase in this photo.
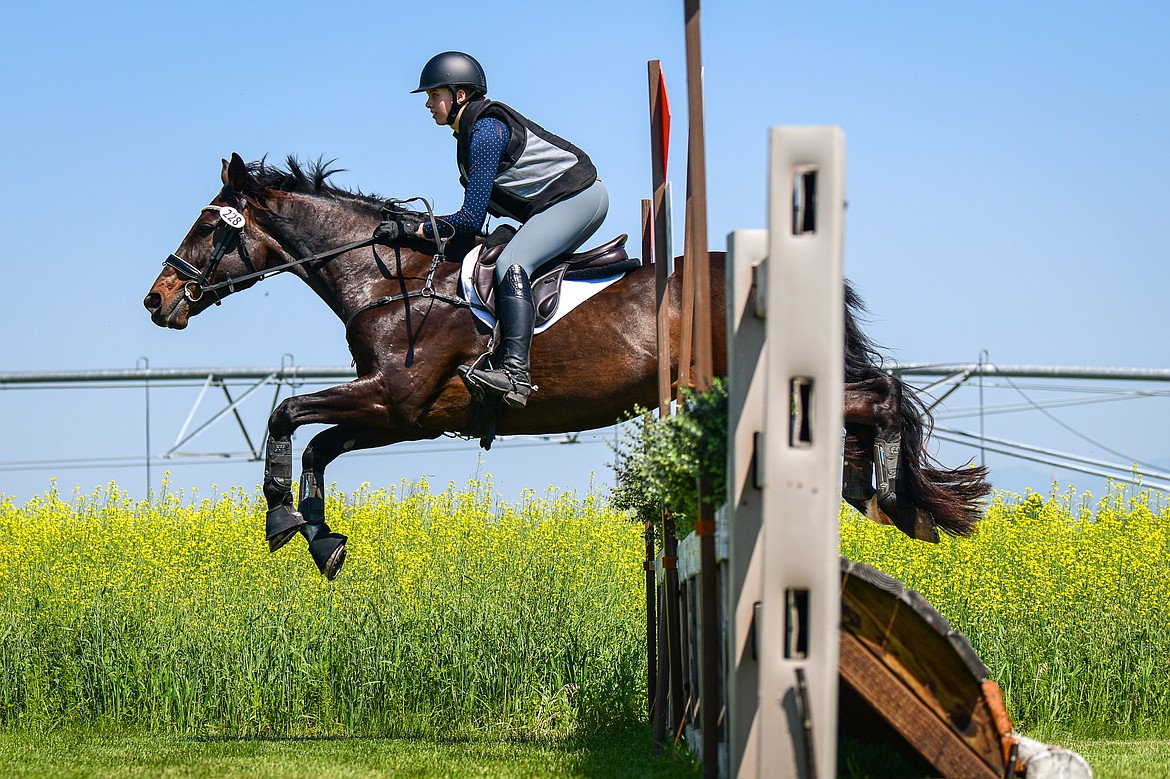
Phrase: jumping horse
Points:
(409, 331)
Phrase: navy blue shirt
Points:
(489, 139)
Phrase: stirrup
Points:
(516, 392)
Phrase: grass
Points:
(1114, 759)
(91, 754)
(623, 753)
(472, 637)
(456, 614)
(1066, 598)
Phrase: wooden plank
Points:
(919, 647)
(916, 722)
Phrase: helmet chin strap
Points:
(456, 106)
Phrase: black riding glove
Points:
(398, 226)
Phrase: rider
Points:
(509, 167)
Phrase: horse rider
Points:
(509, 167)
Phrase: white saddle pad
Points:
(573, 293)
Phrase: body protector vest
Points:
(536, 170)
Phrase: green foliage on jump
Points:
(657, 463)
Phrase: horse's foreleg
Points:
(282, 522)
(356, 404)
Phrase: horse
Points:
(409, 331)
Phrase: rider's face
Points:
(439, 103)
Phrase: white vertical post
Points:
(746, 254)
(784, 521)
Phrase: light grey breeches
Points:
(560, 228)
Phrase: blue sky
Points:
(1007, 177)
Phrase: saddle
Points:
(609, 259)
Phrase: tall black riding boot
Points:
(517, 313)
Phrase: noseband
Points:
(232, 239)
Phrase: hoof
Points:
(281, 524)
(860, 506)
(328, 551)
(925, 528)
(873, 512)
(914, 523)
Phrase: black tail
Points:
(951, 496)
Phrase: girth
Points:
(609, 259)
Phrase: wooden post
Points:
(648, 563)
(651, 622)
(746, 394)
(661, 687)
(696, 264)
(686, 316)
(673, 628)
(696, 232)
(659, 158)
(800, 605)
(660, 145)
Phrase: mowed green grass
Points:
(616, 754)
(1111, 759)
(90, 754)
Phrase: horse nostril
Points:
(152, 301)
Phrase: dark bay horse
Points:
(407, 343)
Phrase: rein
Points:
(232, 239)
(428, 291)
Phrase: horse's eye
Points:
(207, 228)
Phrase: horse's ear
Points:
(235, 173)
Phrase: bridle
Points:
(232, 239)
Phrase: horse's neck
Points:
(312, 225)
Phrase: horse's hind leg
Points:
(857, 471)
(876, 403)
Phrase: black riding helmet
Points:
(452, 69)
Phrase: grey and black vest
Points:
(536, 170)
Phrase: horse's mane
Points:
(308, 178)
(312, 178)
